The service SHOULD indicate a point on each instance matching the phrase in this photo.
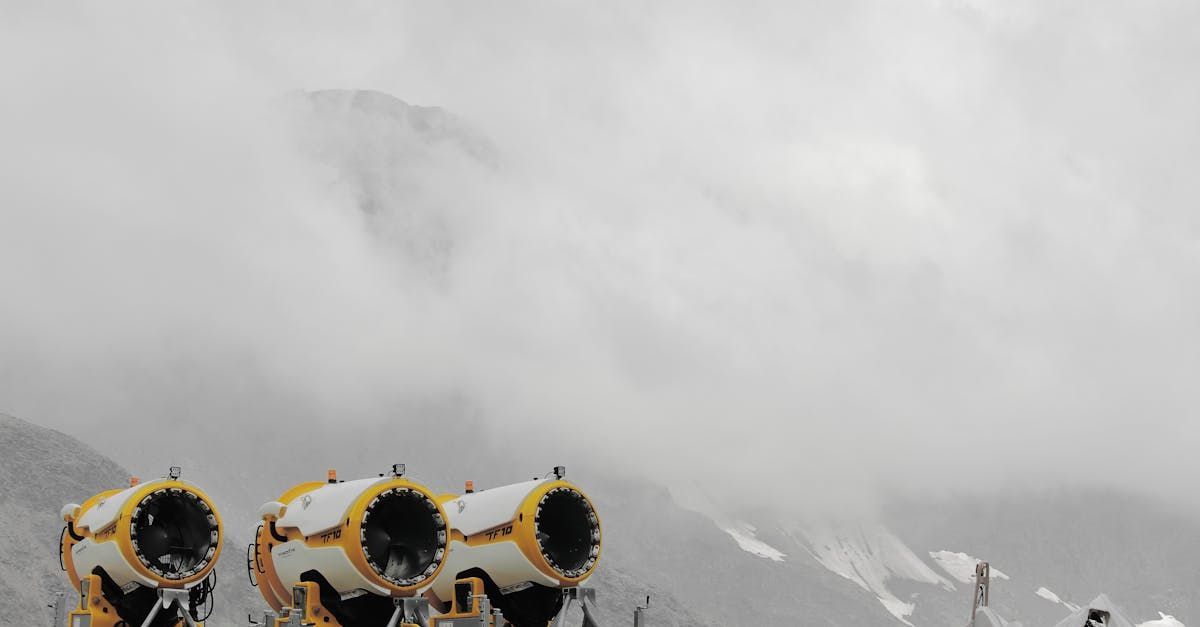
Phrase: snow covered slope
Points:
(961, 566)
(871, 556)
(744, 535)
(1050, 596)
(895, 565)
(1079, 618)
(1164, 620)
(1061, 548)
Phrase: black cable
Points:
(198, 597)
(274, 533)
(61, 563)
(250, 565)
(254, 563)
(208, 586)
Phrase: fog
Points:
(855, 249)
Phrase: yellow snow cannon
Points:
(527, 543)
(347, 553)
(143, 555)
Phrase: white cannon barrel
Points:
(364, 542)
(527, 541)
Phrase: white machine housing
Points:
(509, 513)
(314, 522)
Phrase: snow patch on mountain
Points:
(1045, 593)
(695, 498)
(898, 608)
(870, 556)
(1116, 617)
(961, 566)
(743, 534)
(1164, 621)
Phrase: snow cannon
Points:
(348, 552)
(524, 544)
(143, 555)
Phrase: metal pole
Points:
(396, 615)
(418, 611)
(560, 618)
(637, 613)
(153, 612)
(485, 609)
(588, 619)
(60, 610)
(983, 582)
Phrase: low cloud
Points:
(850, 250)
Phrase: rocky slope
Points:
(43, 470)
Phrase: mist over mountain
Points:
(914, 566)
(946, 233)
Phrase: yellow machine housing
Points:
(468, 605)
(351, 547)
(121, 547)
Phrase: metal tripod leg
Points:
(583, 595)
(417, 609)
(561, 617)
(187, 618)
(153, 613)
(588, 619)
(397, 614)
(171, 600)
(410, 610)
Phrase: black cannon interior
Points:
(173, 532)
(400, 535)
(565, 525)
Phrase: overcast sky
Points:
(847, 247)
